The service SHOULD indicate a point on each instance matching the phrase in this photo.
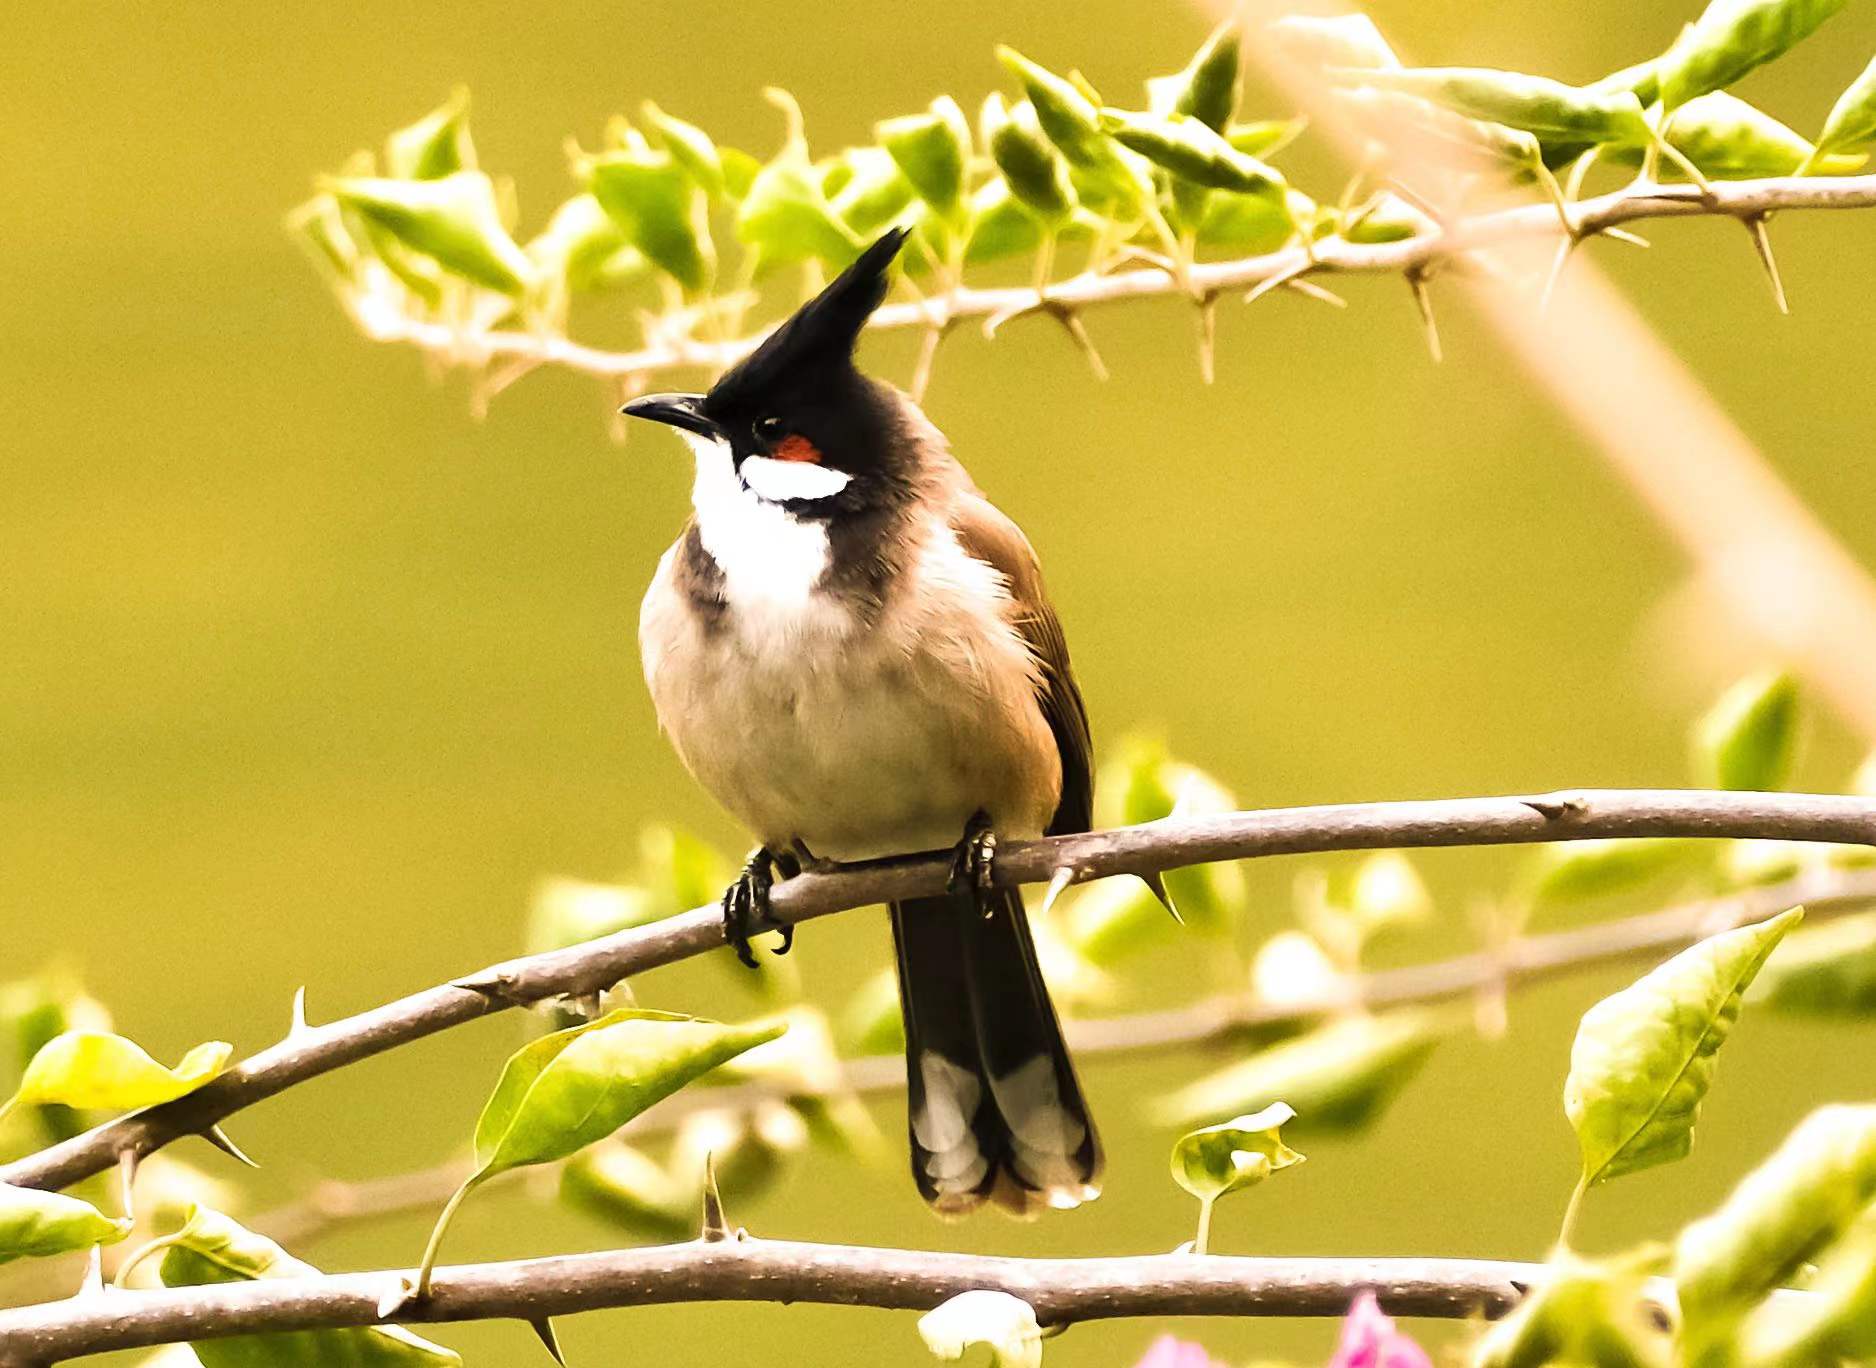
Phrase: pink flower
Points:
(1369, 1340)
(1168, 1351)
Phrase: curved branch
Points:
(1742, 200)
(1062, 1291)
(1153, 847)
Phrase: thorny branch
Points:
(1062, 1291)
(1415, 258)
(1825, 893)
(311, 1051)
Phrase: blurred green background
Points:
(309, 677)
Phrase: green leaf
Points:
(1836, 1322)
(874, 192)
(1073, 123)
(659, 208)
(1343, 40)
(1644, 1058)
(1533, 104)
(1435, 134)
(1189, 149)
(1826, 971)
(1338, 1077)
(1852, 120)
(1234, 1154)
(690, 147)
(1033, 169)
(582, 247)
(1143, 783)
(1782, 1213)
(211, 1249)
(1727, 139)
(1207, 87)
(1569, 870)
(933, 150)
(1000, 225)
(1730, 38)
(32, 1012)
(1253, 224)
(437, 145)
(1388, 219)
(1265, 137)
(98, 1071)
(788, 217)
(1006, 1324)
(623, 1186)
(34, 1224)
(318, 226)
(1581, 1313)
(1749, 737)
(870, 1023)
(562, 1092)
(453, 221)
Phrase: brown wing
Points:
(984, 531)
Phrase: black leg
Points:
(973, 861)
(746, 904)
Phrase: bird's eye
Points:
(768, 429)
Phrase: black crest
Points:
(819, 337)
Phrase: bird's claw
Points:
(746, 910)
(973, 862)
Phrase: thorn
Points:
(1283, 277)
(1624, 235)
(1309, 289)
(1762, 244)
(715, 1227)
(1554, 807)
(497, 983)
(1417, 282)
(544, 1331)
(1157, 887)
(1058, 881)
(395, 1298)
(1208, 338)
(1072, 322)
(127, 1181)
(927, 354)
(218, 1137)
(1557, 263)
(298, 1026)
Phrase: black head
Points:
(798, 397)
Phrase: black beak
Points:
(676, 410)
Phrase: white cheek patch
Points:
(781, 481)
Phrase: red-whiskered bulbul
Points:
(851, 649)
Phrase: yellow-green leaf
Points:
(1207, 86)
(34, 1224)
(1535, 104)
(659, 208)
(1188, 148)
(453, 221)
(786, 214)
(1072, 122)
(1644, 1058)
(1748, 738)
(1338, 1077)
(933, 151)
(626, 1187)
(1727, 139)
(435, 146)
(1730, 38)
(96, 1070)
(1781, 1214)
(1852, 120)
(1824, 971)
(874, 192)
(1034, 170)
(1234, 1154)
(1581, 1313)
(690, 147)
(211, 1248)
(1568, 870)
(1835, 1323)
(560, 1093)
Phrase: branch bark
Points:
(1740, 200)
(1062, 1291)
(1156, 846)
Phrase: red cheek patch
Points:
(796, 448)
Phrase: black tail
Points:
(993, 1107)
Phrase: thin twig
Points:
(1138, 850)
(1741, 200)
(1825, 893)
(1062, 1291)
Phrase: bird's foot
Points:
(973, 862)
(746, 911)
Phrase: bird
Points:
(850, 647)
